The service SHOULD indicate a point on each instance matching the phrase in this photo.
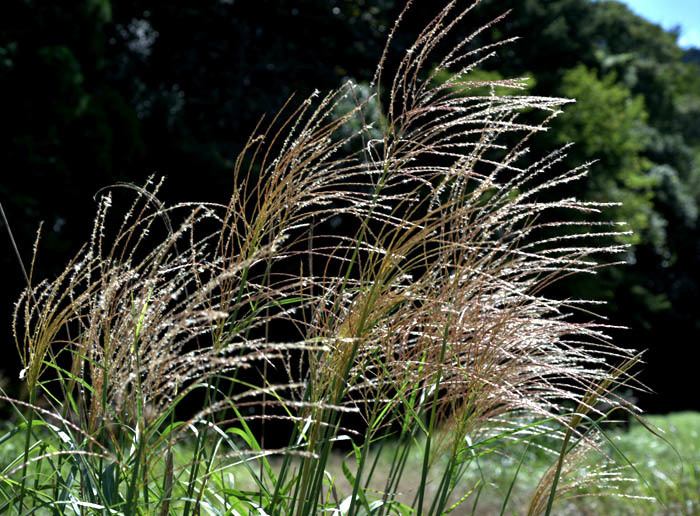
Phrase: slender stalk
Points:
(27, 441)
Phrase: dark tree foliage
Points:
(96, 92)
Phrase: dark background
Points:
(94, 92)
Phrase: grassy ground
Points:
(670, 468)
(667, 470)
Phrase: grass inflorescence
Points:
(380, 280)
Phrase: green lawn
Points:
(667, 468)
(665, 481)
(667, 471)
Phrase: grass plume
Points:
(395, 271)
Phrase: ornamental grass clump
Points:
(380, 279)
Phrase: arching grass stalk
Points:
(432, 421)
(32, 392)
(29, 421)
(586, 405)
(32, 387)
(139, 428)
